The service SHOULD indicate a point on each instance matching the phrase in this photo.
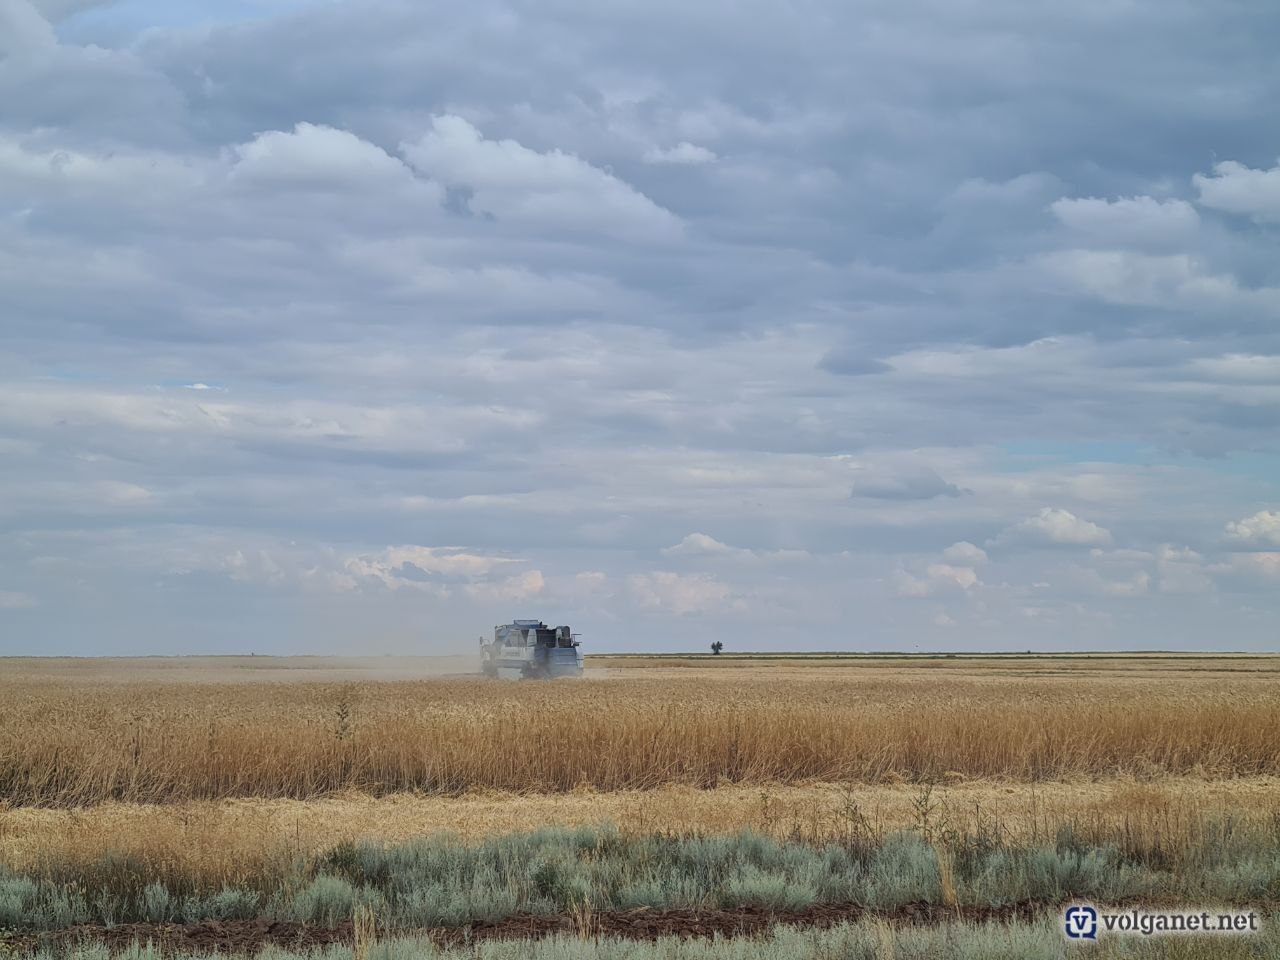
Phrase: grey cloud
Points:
(850, 361)
(550, 191)
(23, 31)
(630, 293)
(918, 484)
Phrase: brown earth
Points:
(248, 936)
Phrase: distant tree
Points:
(717, 647)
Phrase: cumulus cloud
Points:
(312, 156)
(1258, 571)
(1260, 530)
(519, 588)
(964, 553)
(701, 545)
(1053, 526)
(406, 566)
(1236, 188)
(933, 579)
(681, 594)
(552, 190)
(1175, 281)
(963, 577)
(1138, 220)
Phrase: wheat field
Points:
(90, 739)
(227, 788)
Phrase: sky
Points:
(917, 325)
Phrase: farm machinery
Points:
(529, 649)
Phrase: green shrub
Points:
(17, 899)
(325, 900)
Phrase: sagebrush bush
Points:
(17, 900)
(441, 881)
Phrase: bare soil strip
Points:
(642, 923)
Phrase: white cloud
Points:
(1260, 530)
(410, 565)
(520, 587)
(1181, 570)
(935, 578)
(1177, 281)
(1250, 571)
(964, 553)
(683, 153)
(312, 156)
(681, 594)
(1140, 220)
(257, 566)
(963, 577)
(552, 190)
(1235, 188)
(907, 585)
(700, 545)
(1055, 526)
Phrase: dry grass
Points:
(66, 744)
(210, 844)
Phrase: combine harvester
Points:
(528, 650)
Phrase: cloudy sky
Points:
(362, 326)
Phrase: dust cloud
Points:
(238, 669)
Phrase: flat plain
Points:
(242, 776)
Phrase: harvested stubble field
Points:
(68, 743)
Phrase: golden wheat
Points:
(66, 744)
